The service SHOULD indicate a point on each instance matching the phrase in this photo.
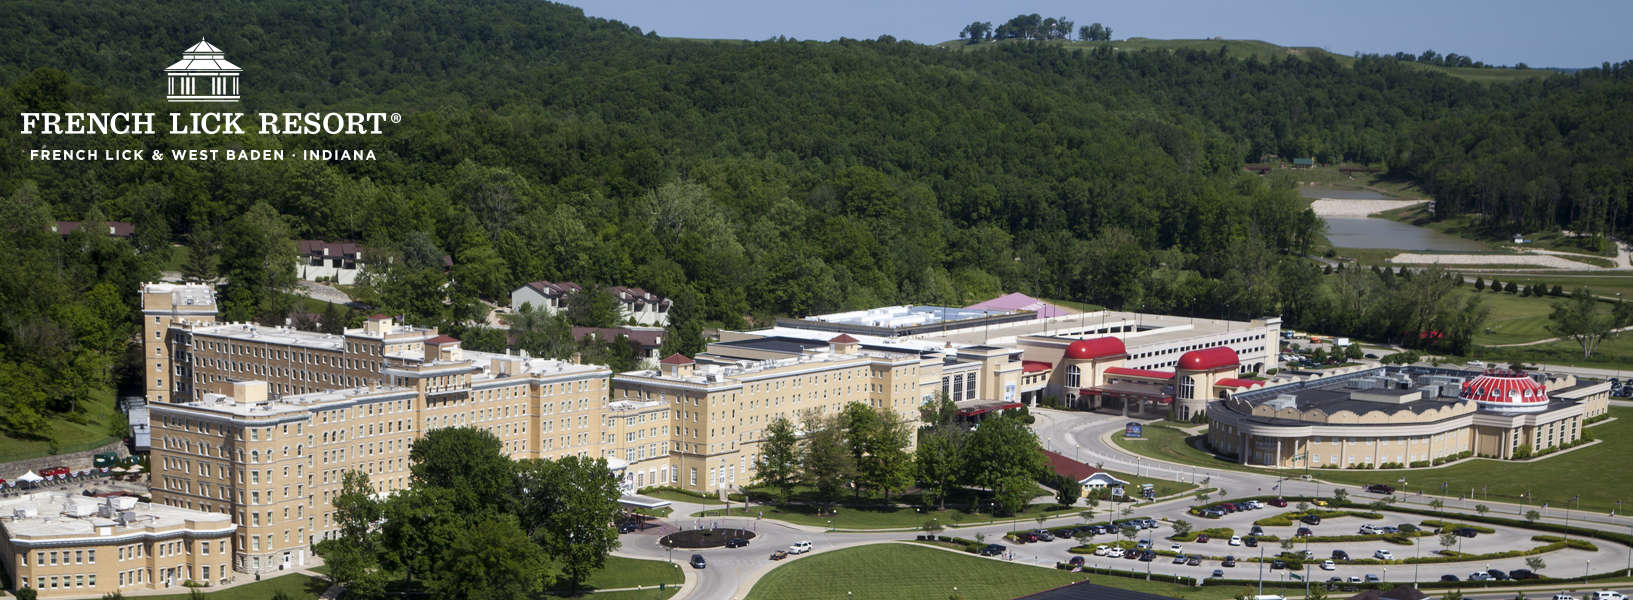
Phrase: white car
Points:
(1327, 565)
(1564, 596)
(1368, 530)
(1479, 576)
(1607, 595)
(800, 547)
(1235, 540)
(1144, 544)
(1114, 552)
(1355, 579)
(1383, 555)
(1100, 550)
(1175, 548)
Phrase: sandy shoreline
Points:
(1347, 208)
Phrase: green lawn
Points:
(298, 586)
(69, 436)
(1513, 318)
(621, 572)
(1553, 480)
(1616, 352)
(650, 594)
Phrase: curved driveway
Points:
(732, 573)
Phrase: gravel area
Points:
(1341, 207)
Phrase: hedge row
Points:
(1451, 525)
(1287, 518)
(1223, 533)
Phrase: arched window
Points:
(1074, 377)
(1187, 387)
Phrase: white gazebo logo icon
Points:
(202, 75)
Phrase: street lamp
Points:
(1261, 569)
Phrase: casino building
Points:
(1403, 416)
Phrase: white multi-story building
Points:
(635, 305)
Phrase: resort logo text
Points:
(203, 75)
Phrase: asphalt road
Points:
(731, 573)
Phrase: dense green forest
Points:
(749, 179)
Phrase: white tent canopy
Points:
(30, 477)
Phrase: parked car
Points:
(1522, 574)
(1406, 528)
(1251, 542)
(1448, 577)
(1327, 565)
(1340, 555)
(1355, 579)
(1479, 576)
(1076, 561)
(627, 527)
(1383, 555)
(1304, 532)
(1043, 535)
(1368, 529)
(1143, 544)
(779, 555)
(1498, 574)
(1179, 559)
(736, 543)
(1114, 552)
(1148, 556)
(1176, 548)
(1278, 503)
(1257, 530)
(1311, 519)
(1133, 554)
(992, 550)
(698, 562)
(1467, 532)
(1235, 540)
(1278, 564)
(1564, 596)
(800, 547)
(1230, 561)
(1202, 539)
(1378, 488)
(1150, 523)
(1373, 578)
(1607, 595)
(1100, 550)
(1193, 561)
(1219, 573)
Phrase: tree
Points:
(1182, 528)
(594, 307)
(419, 524)
(1341, 495)
(1479, 284)
(490, 559)
(1535, 563)
(203, 258)
(1580, 319)
(468, 462)
(1447, 540)
(1012, 492)
(778, 464)
(541, 333)
(1002, 447)
(258, 261)
(826, 462)
(1532, 515)
(1068, 491)
(1437, 504)
(888, 467)
(975, 32)
(352, 556)
(938, 461)
(571, 504)
(27, 593)
(685, 331)
(1482, 509)
(1511, 287)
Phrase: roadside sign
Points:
(1133, 430)
(1116, 492)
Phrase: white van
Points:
(1269, 598)
(1607, 595)
(800, 547)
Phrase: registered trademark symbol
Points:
(396, 118)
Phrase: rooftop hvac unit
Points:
(127, 517)
(25, 512)
(124, 502)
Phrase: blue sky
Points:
(1556, 33)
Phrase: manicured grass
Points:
(68, 435)
(298, 586)
(891, 571)
(621, 572)
(1513, 318)
(1616, 352)
(648, 594)
(1553, 480)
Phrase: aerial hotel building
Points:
(1402, 416)
(64, 544)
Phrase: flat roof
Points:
(51, 517)
(907, 315)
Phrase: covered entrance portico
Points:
(1128, 399)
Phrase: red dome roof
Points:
(1208, 359)
(1095, 348)
(1505, 391)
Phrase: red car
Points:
(1279, 503)
(1202, 539)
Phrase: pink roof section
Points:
(1019, 301)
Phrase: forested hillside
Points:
(744, 179)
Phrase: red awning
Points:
(1146, 373)
(1034, 366)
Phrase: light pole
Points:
(1261, 569)
(1585, 566)
(1417, 545)
(1386, 575)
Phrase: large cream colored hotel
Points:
(253, 426)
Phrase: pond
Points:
(1369, 232)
